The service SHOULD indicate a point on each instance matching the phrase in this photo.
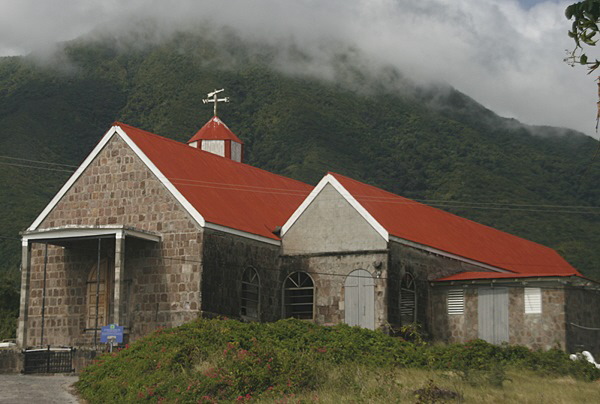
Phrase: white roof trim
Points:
(330, 179)
(446, 254)
(241, 233)
(164, 180)
(105, 139)
(107, 136)
(89, 231)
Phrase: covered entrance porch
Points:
(75, 280)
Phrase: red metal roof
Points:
(223, 191)
(419, 223)
(249, 199)
(215, 129)
(467, 276)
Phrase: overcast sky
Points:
(506, 54)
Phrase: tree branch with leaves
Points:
(584, 31)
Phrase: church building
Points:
(150, 232)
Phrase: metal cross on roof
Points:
(212, 97)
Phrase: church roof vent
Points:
(215, 137)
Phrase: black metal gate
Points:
(48, 360)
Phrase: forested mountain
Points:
(429, 143)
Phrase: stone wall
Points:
(66, 277)
(537, 331)
(453, 327)
(583, 320)
(425, 267)
(11, 360)
(162, 281)
(225, 258)
(329, 272)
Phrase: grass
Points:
(360, 385)
(295, 361)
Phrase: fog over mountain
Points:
(506, 54)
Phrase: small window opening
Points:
(250, 294)
(408, 299)
(533, 300)
(299, 296)
(456, 301)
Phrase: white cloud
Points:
(504, 55)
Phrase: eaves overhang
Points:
(74, 233)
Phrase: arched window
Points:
(298, 296)
(408, 299)
(250, 304)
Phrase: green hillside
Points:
(432, 144)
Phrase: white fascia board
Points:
(446, 254)
(92, 231)
(241, 233)
(107, 136)
(141, 235)
(69, 233)
(330, 179)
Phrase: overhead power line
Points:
(522, 207)
(38, 161)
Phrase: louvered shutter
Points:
(533, 300)
(456, 301)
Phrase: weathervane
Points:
(212, 97)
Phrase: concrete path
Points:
(30, 389)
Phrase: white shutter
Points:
(214, 146)
(456, 301)
(533, 300)
(236, 151)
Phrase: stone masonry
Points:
(162, 280)
(537, 331)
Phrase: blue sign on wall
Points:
(112, 330)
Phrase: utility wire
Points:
(364, 198)
(36, 167)
(38, 161)
(299, 252)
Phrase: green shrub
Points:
(216, 360)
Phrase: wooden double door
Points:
(493, 315)
(359, 299)
(99, 294)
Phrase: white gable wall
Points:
(330, 224)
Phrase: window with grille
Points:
(456, 301)
(533, 300)
(408, 299)
(250, 304)
(298, 296)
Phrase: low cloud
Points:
(504, 54)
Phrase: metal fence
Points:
(48, 360)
